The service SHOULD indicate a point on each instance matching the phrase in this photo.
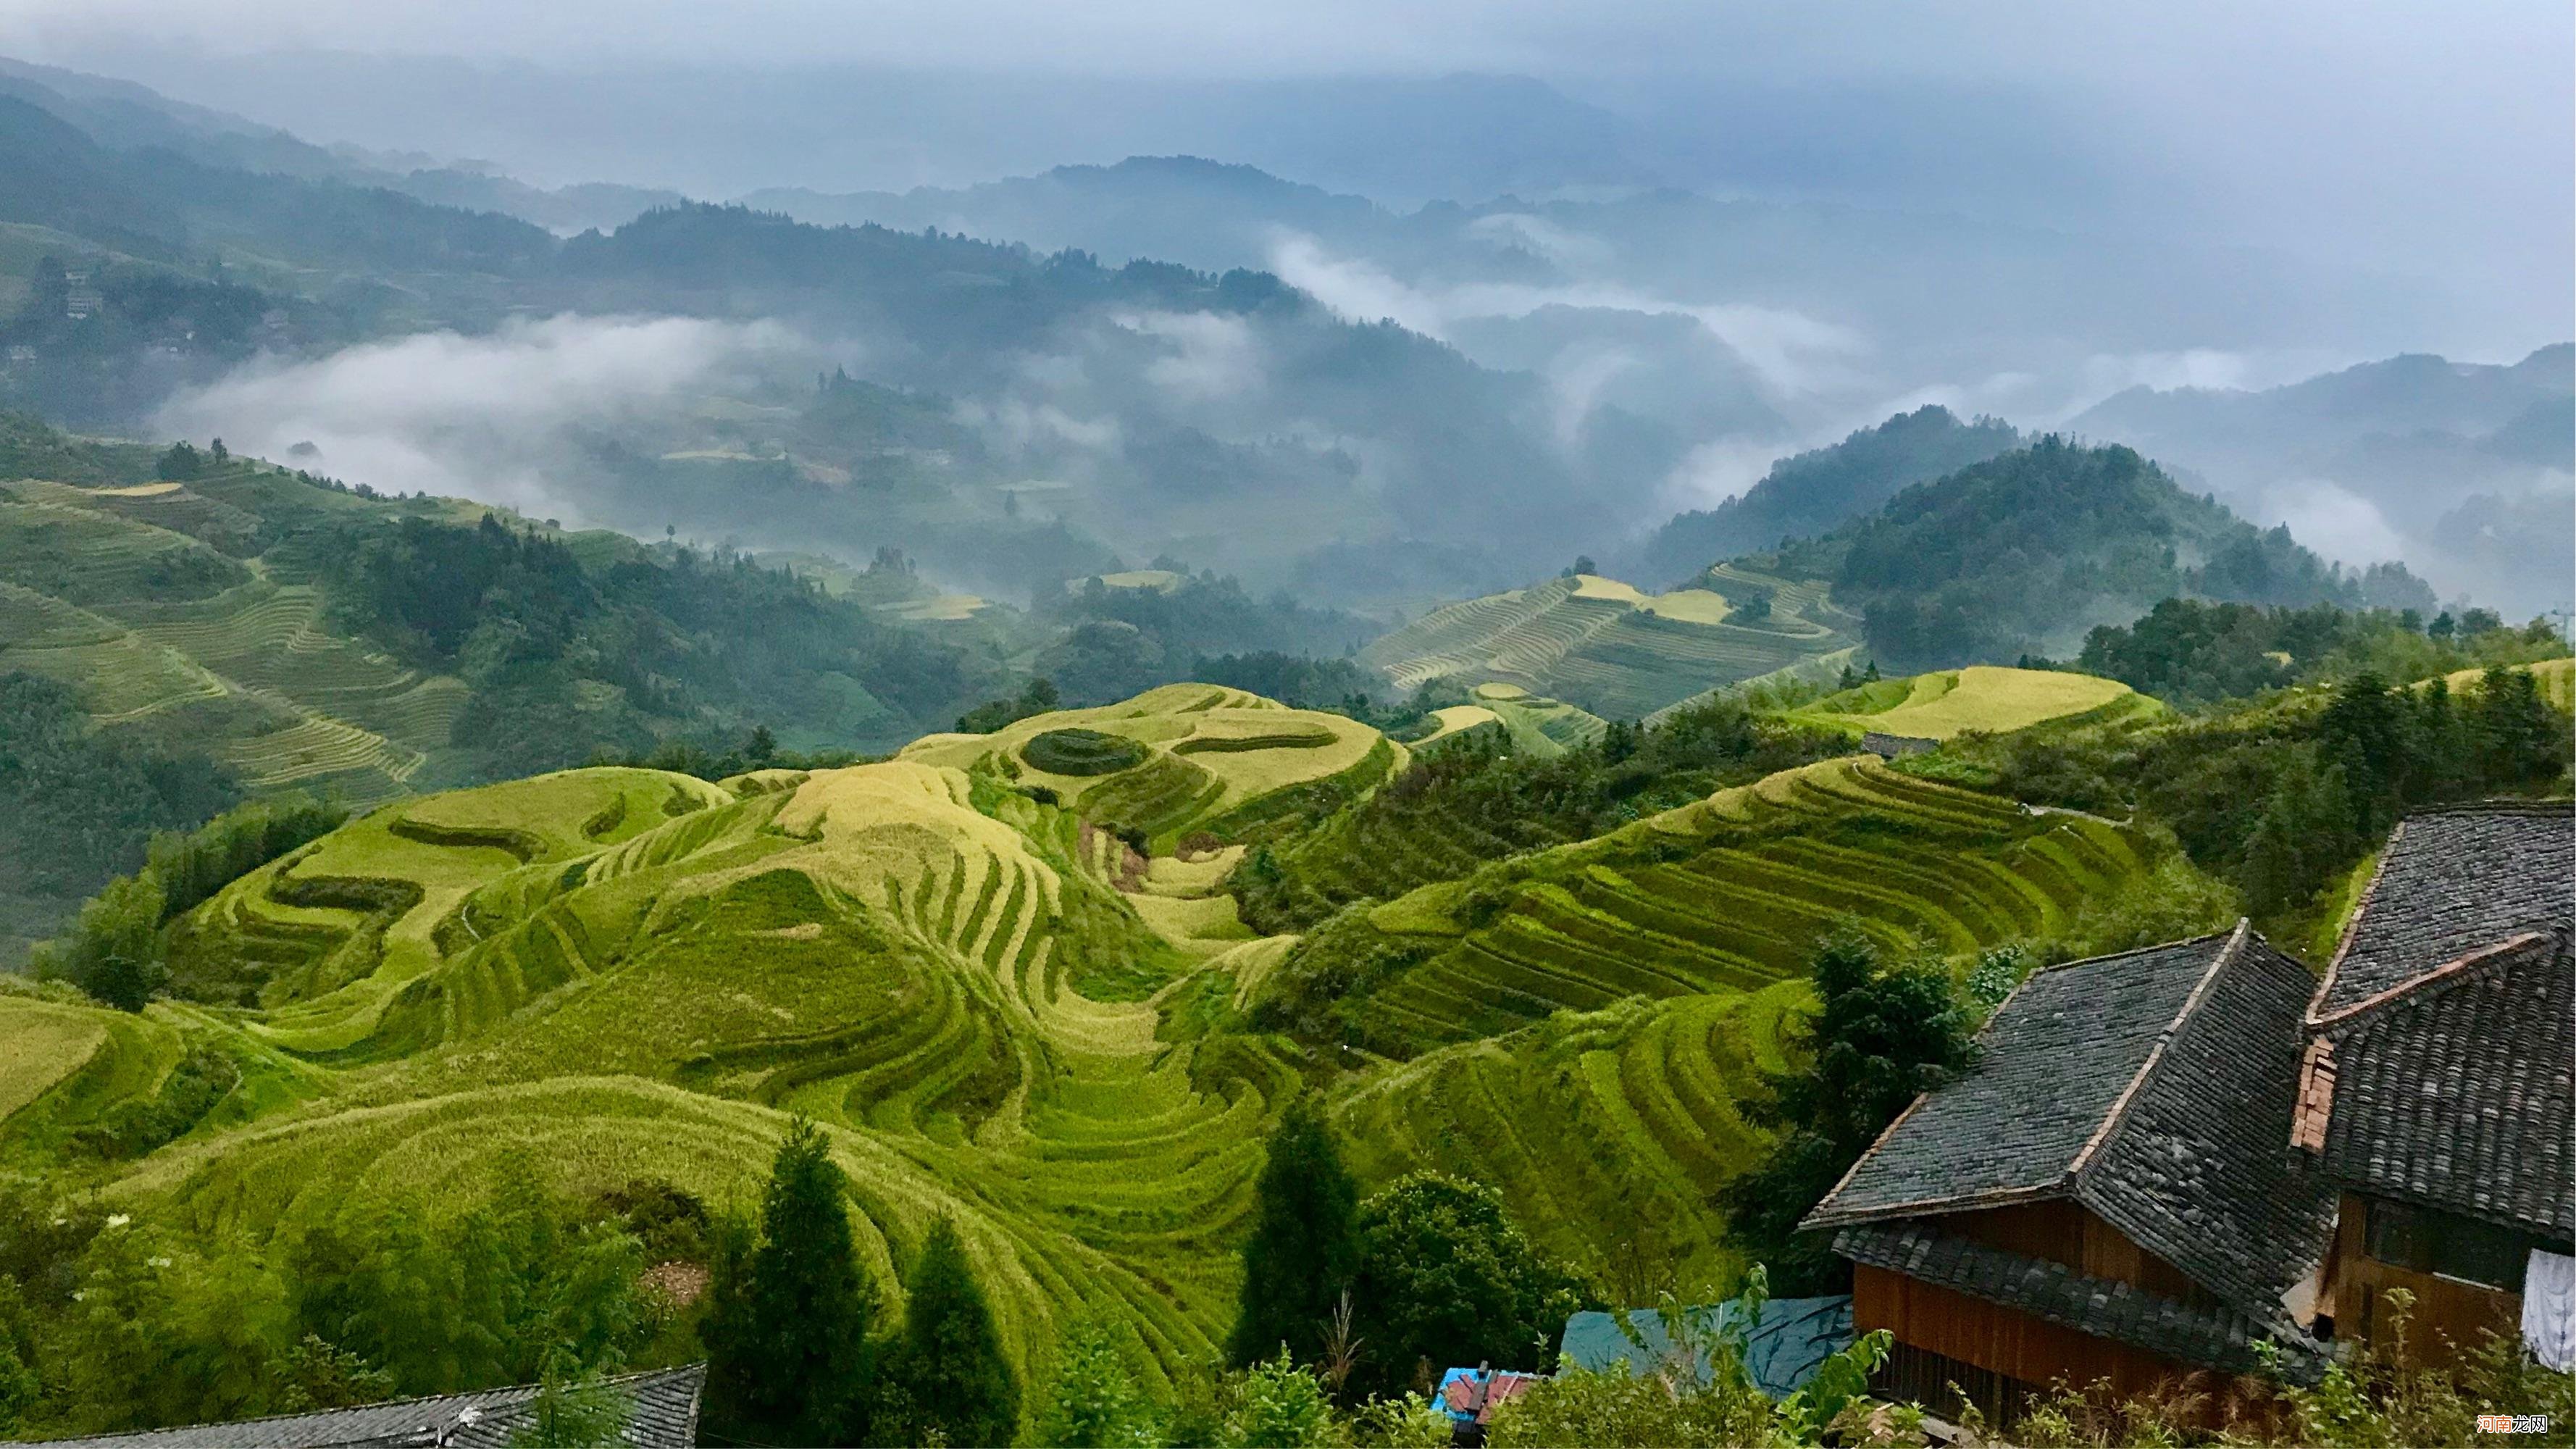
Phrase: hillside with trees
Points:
(2022, 554)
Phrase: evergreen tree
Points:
(2305, 832)
(1303, 1249)
(787, 1331)
(950, 1375)
(2518, 742)
(1881, 1035)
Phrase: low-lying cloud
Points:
(1794, 354)
(474, 416)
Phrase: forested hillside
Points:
(1813, 492)
(247, 628)
(2024, 553)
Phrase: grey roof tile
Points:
(2461, 1094)
(2453, 881)
(662, 1414)
(2053, 1063)
(2157, 1089)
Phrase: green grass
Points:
(48, 1042)
(114, 592)
(562, 975)
(64, 1067)
(999, 1014)
(1616, 652)
(1081, 752)
(2557, 679)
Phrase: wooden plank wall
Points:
(2001, 1340)
(2450, 1317)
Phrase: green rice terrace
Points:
(154, 603)
(1615, 651)
(1986, 697)
(1003, 1011)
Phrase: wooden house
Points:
(2103, 1195)
(2438, 1084)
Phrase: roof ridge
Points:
(2458, 968)
(2500, 805)
(2118, 1116)
(2116, 955)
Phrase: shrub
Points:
(1446, 1277)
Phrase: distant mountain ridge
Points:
(2472, 466)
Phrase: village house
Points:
(2104, 1195)
(2438, 1086)
(2164, 1158)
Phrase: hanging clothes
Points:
(2549, 1309)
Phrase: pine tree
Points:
(2518, 743)
(949, 1374)
(1304, 1244)
(2305, 830)
(787, 1331)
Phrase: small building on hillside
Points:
(1893, 747)
(2103, 1195)
(2438, 1086)
(661, 1412)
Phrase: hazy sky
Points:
(2419, 137)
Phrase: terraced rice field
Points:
(1610, 648)
(1985, 697)
(105, 593)
(606, 975)
(1730, 894)
(1656, 1087)
(1213, 758)
(63, 1066)
(1536, 724)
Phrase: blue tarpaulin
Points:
(1791, 1337)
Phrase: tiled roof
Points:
(2219, 1337)
(663, 1414)
(2154, 1087)
(2461, 1093)
(2195, 1172)
(2452, 882)
(2055, 1061)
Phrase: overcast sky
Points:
(2422, 137)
